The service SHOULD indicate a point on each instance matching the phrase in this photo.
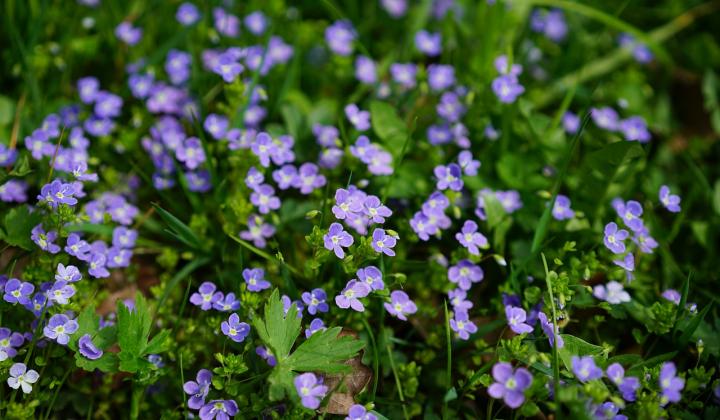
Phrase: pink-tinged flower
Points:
(400, 305)
(198, 389)
(310, 389)
(516, 318)
(383, 243)
(336, 239)
(669, 201)
(350, 295)
(236, 330)
(510, 385)
(471, 239)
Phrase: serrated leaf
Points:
(325, 352)
(276, 329)
(159, 343)
(133, 330)
(107, 363)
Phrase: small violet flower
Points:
(509, 385)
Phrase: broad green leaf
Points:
(102, 338)
(576, 347)
(276, 329)
(133, 330)
(325, 352)
(21, 167)
(388, 126)
(18, 223)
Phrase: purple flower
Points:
(258, 231)
(357, 411)
(216, 125)
(396, 9)
(612, 293)
(127, 33)
(605, 117)
(669, 201)
(458, 300)
(422, 226)
(191, 152)
(218, 409)
(256, 22)
(627, 386)
(336, 239)
(672, 295)
(349, 296)
(502, 65)
(7, 155)
(124, 237)
(87, 88)
(236, 330)
(69, 274)
(107, 105)
(228, 67)
(18, 292)
(263, 147)
(8, 342)
(435, 204)
(570, 122)
(561, 210)
(310, 389)
(255, 279)
(510, 385)
(471, 239)
(140, 85)
(670, 384)
(13, 191)
(206, 296)
(631, 213)
(226, 23)
(507, 88)
(287, 304)
(97, 265)
(548, 328)
(449, 107)
(287, 176)
(316, 325)
(383, 243)
(440, 76)
(614, 238)
(315, 301)
(635, 129)
(551, 23)
(264, 198)
(346, 204)
(585, 368)
(516, 318)
(308, 178)
(404, 74)
(627, 263)
(227, 303)
(469, 165)
(462, 325)
(375, 210)
(400, 305)
(359, 119)
(56, 193)
(187, 14)
(198, 389)
(449, 176)
(372, 276)
(340, 36)
(60, 292)
(118, 257)
(21, 377)
(266, 355)
(465, 273)
(365, 70)
(59, 328)
(88, 349)
(428, 43)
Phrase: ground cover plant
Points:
(359, 209)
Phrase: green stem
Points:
(136, 399)
(556, 361)
(397, 381)
(57, 391)
(375, 356)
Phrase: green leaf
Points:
(22, 167)
(575, 346)
(388, 126)
(7, 110)
(325, 352)
(276, 329)
(178, 229)
(18, 224)
(133, 329)
(692, 326)
(103, 338)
